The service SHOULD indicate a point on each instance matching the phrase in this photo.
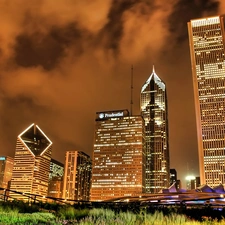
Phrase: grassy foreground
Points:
(108, 217)
(22, 214)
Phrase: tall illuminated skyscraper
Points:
(154, 111)
(119, 156)
(206, 38)
(31, 163)
(77, 176)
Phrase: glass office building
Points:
(206, 38)
(77, 176)
(118, 156)
(55, 179)
(153, 101)
(56, 169)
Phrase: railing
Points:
(171, 198)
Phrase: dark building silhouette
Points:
(173, 176)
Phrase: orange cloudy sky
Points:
(62, 61)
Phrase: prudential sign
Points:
(105, 115)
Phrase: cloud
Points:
(221, 7)
(145, 30)
(185, 10)
(62, 61)
(47, 50)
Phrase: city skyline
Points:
(62, 63)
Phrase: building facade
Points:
(56, 169)
(77, 176)
(31, 164)
(206, 38)
(55, 179)
(6, 167)
(153, 101)
(192, 182)
(55, 187)
(173, 176)
(118, 156)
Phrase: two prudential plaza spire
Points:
(154, 111)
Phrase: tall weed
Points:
(72, 213)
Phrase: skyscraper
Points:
(173, 176)
(154, 111)
(6, 167)
(118, 156)
(56, 169)
(55, 187)
(31, 163)
(77, 176)
(55, 179)
(206, 38)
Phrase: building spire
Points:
(131, 95)
(153, 69)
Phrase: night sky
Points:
(62, 61)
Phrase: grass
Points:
(108, 217)
(70, 213)
(12, 217)
(20, 213)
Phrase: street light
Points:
(190, 177)
(190, 184)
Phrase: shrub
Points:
(26, 218)
(71, 213)
(128, 217)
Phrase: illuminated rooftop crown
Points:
(35, 140)
(154, 77)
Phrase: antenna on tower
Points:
(131, 91)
